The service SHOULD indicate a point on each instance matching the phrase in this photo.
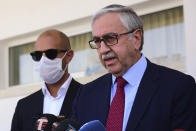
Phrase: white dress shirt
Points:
(52, 105)
(133, 76)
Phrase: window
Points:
(21, 65)
(85, 62)
(164, 38)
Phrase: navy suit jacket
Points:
(30, 107)
(165, 101)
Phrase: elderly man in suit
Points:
(52, 55)
(136, 95)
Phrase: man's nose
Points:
(43, 54)
(104, 48)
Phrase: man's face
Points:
(126, 51)
(46, 42)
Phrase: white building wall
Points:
(190, 32)
(6, 111)
(24, 16)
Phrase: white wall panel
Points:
(190, 31)
(23, 16)
(6, 111)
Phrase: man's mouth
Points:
(110, 61)
(109, 58)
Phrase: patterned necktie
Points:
(116, 112)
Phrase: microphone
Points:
(68, 125)
(47, 122)
(95, 125)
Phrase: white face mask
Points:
(49, 70)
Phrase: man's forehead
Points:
(106, 34)
(104, 25)
(47, 41)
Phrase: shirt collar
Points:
(135, 73)
(62, 91)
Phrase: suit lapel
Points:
(147, 88)
(38, 101)
(40, 98)
(102, 104)
(68, 100)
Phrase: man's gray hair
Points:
(128, 17)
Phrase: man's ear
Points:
(137, 37)
(69, 56)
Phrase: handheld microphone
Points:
(47, 122)
(95, 125)
(68, 125)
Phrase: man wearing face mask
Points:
(52, 55)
